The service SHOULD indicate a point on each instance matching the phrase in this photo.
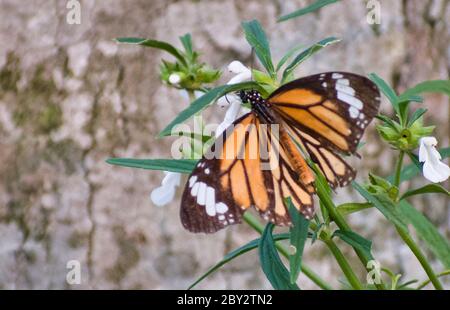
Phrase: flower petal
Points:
(436, 171)
(165, 193)
(162, 195)
(237, 67)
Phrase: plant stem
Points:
(191, 95)
(344, 264)
(398, 169)
(342, 224)
(256, 225)
(421, 258)
(425, 283)
(407, 238)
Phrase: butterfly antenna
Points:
(252, 57)
(226, 98)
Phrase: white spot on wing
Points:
(192, 180)
(324, 84)
(207, 171)
(354, 102)
(221, 207)
(194, 190)
(201, 196)
(336, 76)
(210, 201)
(353, 112)
(344, 82)
(346, 89)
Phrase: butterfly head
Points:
(251, 96)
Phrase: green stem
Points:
(398, 169)
(421, 258)
(425, 283)
(256, 225)
(344, 264)
(342, 224)
(191, 95)
(407, 238)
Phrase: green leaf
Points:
(435, 86)
(437, 243)
(271, 264)
(305, 55)
(384, 205)
(155, 44)
(200, 103)
(235, 253)
(257, 39)
(417, 114)
(352, 207)
(287, 56)
(391, 123)
(186, 40)
(299, 234)
(310, 8)
(414, 98)
(355, 240)
(386, 90)
(430, 188)
(174, 165)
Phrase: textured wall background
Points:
(70, 98)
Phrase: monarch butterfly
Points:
(325, 114)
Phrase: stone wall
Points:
(70, 98)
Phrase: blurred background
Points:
(70, 97)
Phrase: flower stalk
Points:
(407, 238)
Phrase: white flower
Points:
(242, 74)
(166, 192)
(433, 169)
(174, 78)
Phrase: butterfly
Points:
(321, 116)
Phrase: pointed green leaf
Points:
(352, 207)
(271, 264)
(305, 55)
(186, 40)
(428, 232)
(287, 56)
(309, 9)
(257, 39)
(387, 121)
(200, 103)
(299, 234)
(386, 90)
(384, 205)
(430, 188)
(417, 114)
(356, 241)
(155, 44)
(435, 86)
(236, 253)
(174, 165)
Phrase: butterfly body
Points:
(320, 116)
